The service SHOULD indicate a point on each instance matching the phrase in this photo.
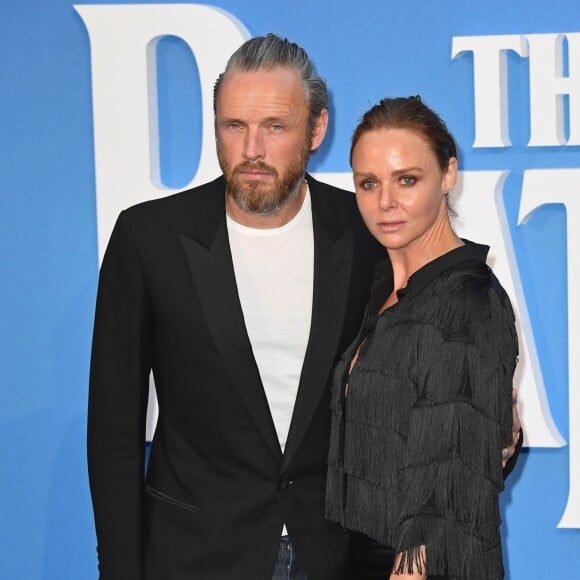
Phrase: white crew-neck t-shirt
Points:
(274, 271)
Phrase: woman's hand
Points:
(414, 576)
(418, 574)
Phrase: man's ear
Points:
(319, 131)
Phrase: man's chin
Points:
(255, 200)
(259, 198)
(248, 187)
(254, 195)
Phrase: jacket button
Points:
(285, 484)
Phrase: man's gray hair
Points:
(270, 52)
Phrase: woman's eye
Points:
(368, 184)
(408, 180)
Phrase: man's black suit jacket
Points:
(217, 488)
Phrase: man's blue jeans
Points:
(287, 565)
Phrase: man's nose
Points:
(253, 145)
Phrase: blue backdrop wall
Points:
(105, 104)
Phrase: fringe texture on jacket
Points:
(416, 440)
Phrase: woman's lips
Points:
(391, 226)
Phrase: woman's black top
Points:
(419, 423)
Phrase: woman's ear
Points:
(450, 176)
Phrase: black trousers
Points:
(371, 560)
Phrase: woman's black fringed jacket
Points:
(420, 422)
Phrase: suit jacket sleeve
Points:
(119, 380)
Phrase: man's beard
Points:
(259, 199)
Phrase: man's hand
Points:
(509, 451)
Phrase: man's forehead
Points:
(263, 85)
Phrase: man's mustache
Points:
(255, 166)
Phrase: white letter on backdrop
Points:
(123, 39)
(548, 85)
(543, 186)
(490, 83)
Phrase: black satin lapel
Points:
(215, 283)
(332, 268)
